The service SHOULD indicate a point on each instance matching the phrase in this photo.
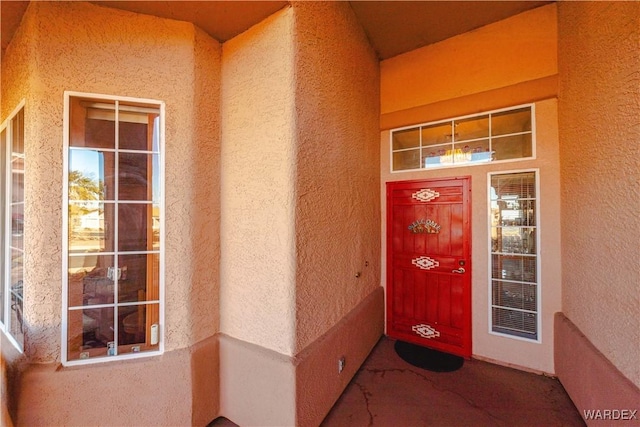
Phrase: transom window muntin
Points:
(514, 258)
(113, 218)
(12, 249)
(496, 136)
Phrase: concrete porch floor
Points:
(387, 391)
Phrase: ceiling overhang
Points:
(393, 27)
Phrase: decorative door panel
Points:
(429, 264)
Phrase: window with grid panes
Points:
(502, 135)
(513, 219)
(12, 161)
(113, 271)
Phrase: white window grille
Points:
(113, 219)
(514, 254)
(494, 136)
(12, 249)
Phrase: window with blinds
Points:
(514, 256)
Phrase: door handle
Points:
(459, 270)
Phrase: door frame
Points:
(466, 229)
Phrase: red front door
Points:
(429, 263)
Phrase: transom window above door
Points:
(113, 219)
(494, 136)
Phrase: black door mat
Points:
(426, 358)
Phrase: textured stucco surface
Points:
(511, 51)
(318, 383)
(81, 47)
(533, 356)
(590, 379)
(337, 178)
(94, 56)
(300, 213)
(599, 106)
(120, 394)
(257, 268)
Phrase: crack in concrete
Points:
(435, 385)
(366, 394)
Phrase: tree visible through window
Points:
(113, 265)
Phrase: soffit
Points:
(396, 27)
(393, 27)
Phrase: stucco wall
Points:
(337, 178)
(257, 270)
(482, 77)
(599, 106)
(299, 213)
(81, 47)
(93, 57)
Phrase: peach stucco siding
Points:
(599, 51)
(82, 47)
(258, 164)
(517, 34)
(299, 213)
(337, 222)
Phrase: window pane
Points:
(136, 130)
(89, 280)
(17, 186)
(3, 239)
(514, 322)
(132, 324)
(139, 277)
(91, 175)
(134, 221)
(88, 332)
(16, 322)
(515, 295)
(409, 159)
(514, 240)
(17, 225)
(17, 128)
(431, 156)
(471, 128)
(16, 291)
(156, 227)
(514, 267)
(409, 138)
(133, 174)
(436, 134)
(512, 147)
(91, 227)
(99, 133)
(516, 213)
(136, 329)
(513, 121)
(509, 187)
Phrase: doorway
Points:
(429, 263)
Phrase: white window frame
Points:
(6, 279)
(65, 230)
(467, 164)
(538, 283)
